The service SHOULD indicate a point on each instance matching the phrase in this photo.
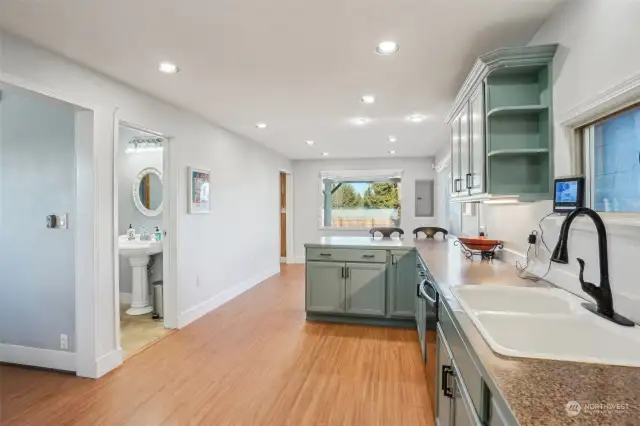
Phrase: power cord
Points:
(522, 270)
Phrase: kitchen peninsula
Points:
(468, 382)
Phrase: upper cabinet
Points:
(502, 127)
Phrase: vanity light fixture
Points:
(168, 67)
(360, 121)
(416, 118)
(142, 144)
(393, 139)
(368, 99)
(386, 48)
(310, 143)
(261, 125)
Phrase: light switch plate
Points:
(63, 221)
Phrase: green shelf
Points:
(523, 151)
(516, 110)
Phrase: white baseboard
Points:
(125, 298)
(45, 358)
(108, 362)
(192, 314)
(296, 260)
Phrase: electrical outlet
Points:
(64, 341)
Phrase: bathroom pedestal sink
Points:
(138, 254)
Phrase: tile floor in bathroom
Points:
(137, 333)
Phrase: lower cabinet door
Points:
(463, 412)
(325, 287)
(365, 288)
(402, 283)
(444, 382)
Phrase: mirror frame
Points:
(136, 192)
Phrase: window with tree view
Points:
(360, 203)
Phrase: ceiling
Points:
(299, 66)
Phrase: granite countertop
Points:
(536, 390)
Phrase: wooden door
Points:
(283, 215)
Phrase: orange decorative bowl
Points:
(480, 244)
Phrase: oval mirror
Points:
(147, 192)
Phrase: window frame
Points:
(585, 135)
(362, 179)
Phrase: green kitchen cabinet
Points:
(326, 287)
(402, 281)
(478, 154)
(365, 289)
(502, 127)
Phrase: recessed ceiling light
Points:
(368, 99)
(168, 67)
(392, 139)
(325, 154)
(310, 143)
(392, 152)
(387, 48)
(416, 118)
(261, 125)
(360, 121)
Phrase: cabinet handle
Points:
(469, 180)
(346, 272)
(325, 254)
(342, 272)
(447, 371)
(368, 256)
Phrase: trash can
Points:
(158, 301)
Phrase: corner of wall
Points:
(200, 310)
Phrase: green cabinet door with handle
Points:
(365, 289)
(402, 284)
(326, 287)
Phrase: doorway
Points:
(285, 200)
(283, 217)
(140, 217)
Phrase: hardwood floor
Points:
(253, 361)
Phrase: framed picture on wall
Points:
(199, 191)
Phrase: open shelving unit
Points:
(519, 131)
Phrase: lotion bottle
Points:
(131, 233)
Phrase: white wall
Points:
(217, 255)
(308, 202)
(598, 50)
(37, 178)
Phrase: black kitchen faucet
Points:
(601, 294)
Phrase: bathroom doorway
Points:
(141, 219)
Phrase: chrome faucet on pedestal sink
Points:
(601, 294)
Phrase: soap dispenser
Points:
(158, 234)
(131, 233)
